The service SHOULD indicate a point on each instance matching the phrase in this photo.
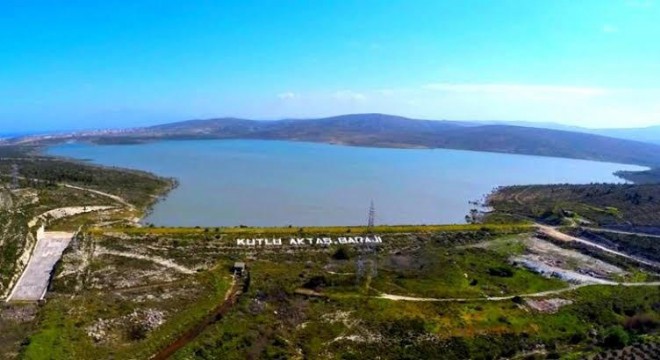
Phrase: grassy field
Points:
(311, 303)
(138, 188)
(65, 322)
(458, 273)
(14, 234)
(601, 204)
(272, 322)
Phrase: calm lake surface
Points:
(273, 183)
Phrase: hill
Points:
(629, 206)
(359, 129)
(393, 131)
(379, 130)
(649, 134)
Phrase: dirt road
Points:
(558, 235)
(602, 230)
(97, 192)
(60, 213)
(502, 298)
(160, 261)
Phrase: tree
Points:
(474, 217)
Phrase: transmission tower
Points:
(367, 262)
(372, 217)
(14, 176)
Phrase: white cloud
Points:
(521, 90)
(589, 106)
(287, 95)
(349, 95)
(609, 29)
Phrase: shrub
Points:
(137, 331)
(341, 254)
(316, 282)
(616, 338)
(500, 271)
(642, 323)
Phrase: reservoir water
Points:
(279, 183)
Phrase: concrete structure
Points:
(239, 268)
(33, 283)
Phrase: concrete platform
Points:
(33, 283)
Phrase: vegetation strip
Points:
(234, 292)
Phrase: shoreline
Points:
(174, 183)
(377, 145)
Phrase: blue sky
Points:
(97, 64)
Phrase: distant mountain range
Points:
(379, 130)
(647, 134)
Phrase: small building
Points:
(239, 268)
